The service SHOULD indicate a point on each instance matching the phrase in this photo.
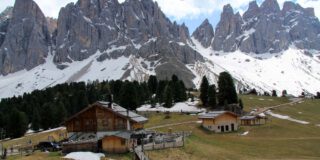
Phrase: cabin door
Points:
(222, 128)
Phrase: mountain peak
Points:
(270, 6)
(227, 9)
(204, 33)
(253, 11)
(27, 38)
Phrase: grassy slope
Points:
(279, 139)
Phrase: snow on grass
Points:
(318, 125)
(189, 107)
(85, 156)
(245, 133)
(286, 118)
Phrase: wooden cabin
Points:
(104, 127)
(220, 121)
(253, 120)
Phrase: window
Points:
(123, 142)
(218, 127)
(227, 128)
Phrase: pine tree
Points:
(129, 96)
(212, 102)
(284, 93)
(227, 91)
(168, 97)
(60, 114)
(204, 91)
(160, 91)
(274, 93)
(36, 119)
(18, 124)
(47, 118)
(183, 93)
(153, 84)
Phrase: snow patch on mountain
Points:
(291, 70)
(48, 75)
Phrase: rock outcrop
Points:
(204, 33)
(27, 39)
(139, 26)
(266, 29)
(227, 30)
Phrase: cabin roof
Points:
(115, 108)
(122, 111)
(215, 114)
(248, 117)
(121, 134)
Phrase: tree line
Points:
(48, 108)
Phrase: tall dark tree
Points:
(274, 93)
(36, 119)
(204, 91)
(183, 93)
(60, 114)
(160, 90)
(153, 84)
(168, 97)
(18, 124)
(212, 96)
(47, 118)
(318, 95)
(227, 90)
(129, 96)
(284, 93)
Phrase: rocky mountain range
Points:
(263, 29)
(105, 39)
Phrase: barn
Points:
(104, 127)
(219, 121)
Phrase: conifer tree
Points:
(168, 97)
(204, 91)
(284, 93)
(18, 124)
(274, 93)
(153, 84)
(47, 118)
(160, 90)
(128, 96)
(212, 102)
(60, 114)
(227, 91)
(36, 119)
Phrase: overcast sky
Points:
(192, 12)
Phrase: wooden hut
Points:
(102, 126)
(220, 121)
(253, 120)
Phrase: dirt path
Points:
(293, 101)
(172, 124)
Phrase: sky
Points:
(190, 12)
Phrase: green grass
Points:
(278, 139)
(251, 102)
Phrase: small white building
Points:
(220, 121)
